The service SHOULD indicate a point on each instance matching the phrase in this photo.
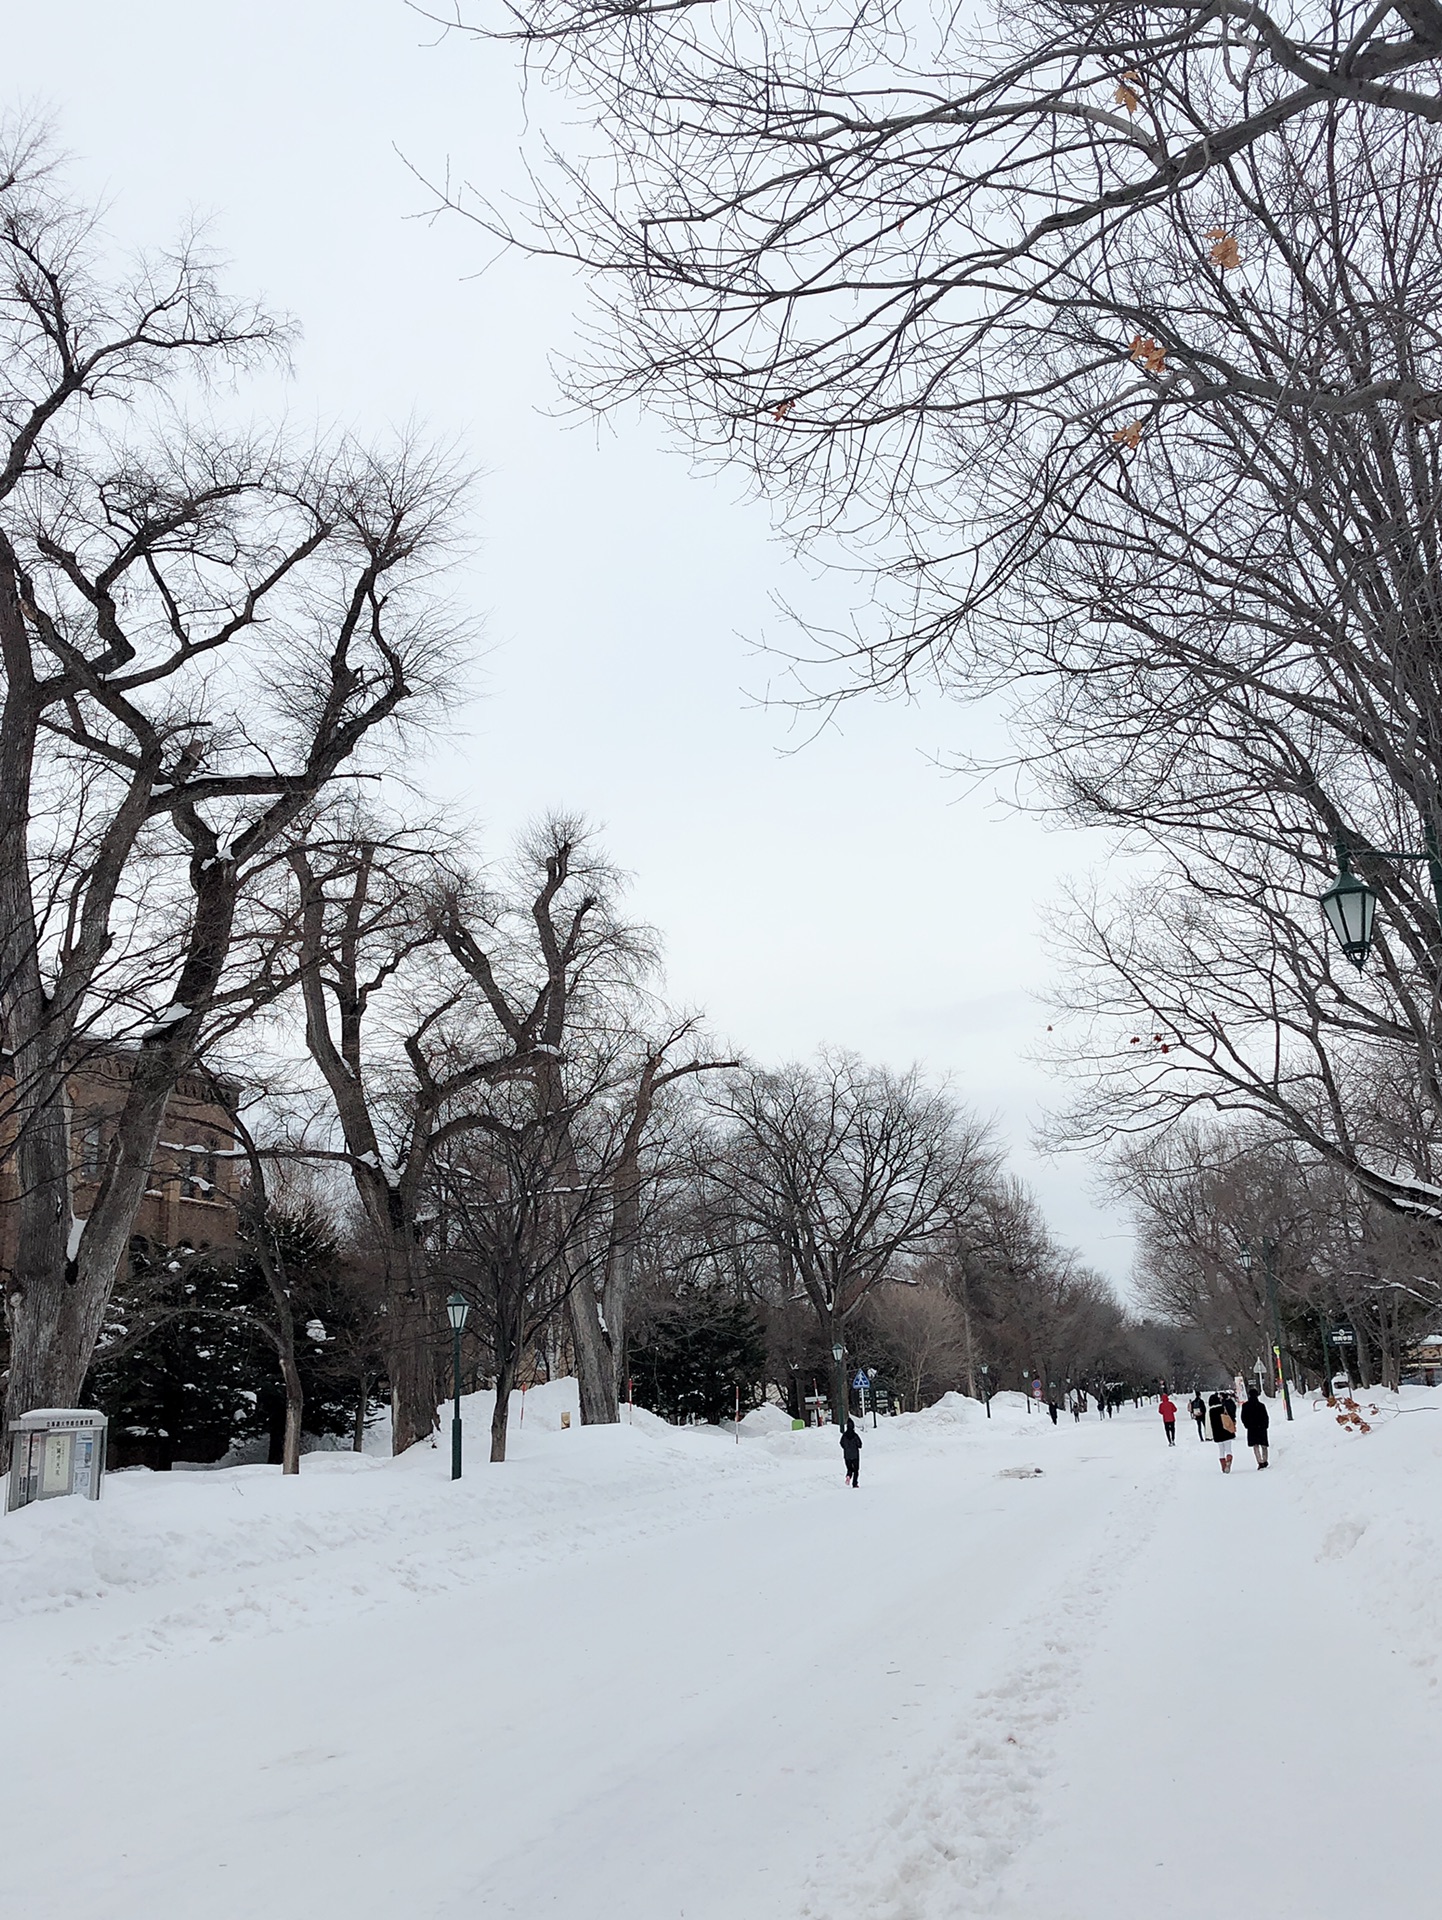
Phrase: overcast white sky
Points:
(845, 892)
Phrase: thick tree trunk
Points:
(48, 1354)
(70, 1272)
(620, 1274)
(362, 1405)
(500, 1417)
(47, 1365)
(104, 1242)
(410, 1360)
(840, 1392)
(595, 1361)
(65, 1272)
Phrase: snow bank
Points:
(1372, 1501)
(378, 1525)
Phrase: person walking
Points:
(1197, 1408)
(1051, 1409)
(1222, 1418)
(1167, 1408)
(1256, 1420)
(851, 1454)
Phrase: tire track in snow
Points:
(943, 1849)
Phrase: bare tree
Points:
(845, 1172)
(924, 1333)
(200, 629)
(1202, 1193)
(406, 1050)
(816, 229)
(1110, 343)
(572, 983)
(521, 1224)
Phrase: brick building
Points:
(195, 1178)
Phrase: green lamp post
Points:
(456, 1311)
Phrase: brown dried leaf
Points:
(1224, 251)
(1148, 353)
(1129, 435)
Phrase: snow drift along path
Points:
(654, 1674)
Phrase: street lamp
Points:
(1350, 905)
(843, 1398)
(1269, 1274)
(986, 1388)
(456, 1311)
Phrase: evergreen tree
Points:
(691, 1354)
(175, 1367)
(186, 1368)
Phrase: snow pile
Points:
(390, 1524)
(381, 1524)
(763, 1420)
(1373, 1505)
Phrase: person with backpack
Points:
(851, 1454)
(1222, 1417)
(1198, 1410)
(1256, 1420)
(1167, 1408)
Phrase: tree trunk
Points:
(53, 1342)
(840, 1392)
(595, 1362)
(294, 1412)
(410, 1364)
(505, 1381)
(1362, 1350)
(64, 1274)
(47, 1364)
(358, 1432)
(45, 1367)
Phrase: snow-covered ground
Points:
(661, 1675)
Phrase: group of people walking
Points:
(1216, 1419)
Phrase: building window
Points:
(92, 1150)
(199, 1174)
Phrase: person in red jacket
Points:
(1168, 1411)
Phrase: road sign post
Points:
(862, 1382)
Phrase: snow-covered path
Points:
(659, 1675)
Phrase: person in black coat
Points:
(1256, 1420)
(1198, 1410)
(1222, 1418)
(851, 1454)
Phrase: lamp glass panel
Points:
(1350, 906)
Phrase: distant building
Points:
(195, 1176)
